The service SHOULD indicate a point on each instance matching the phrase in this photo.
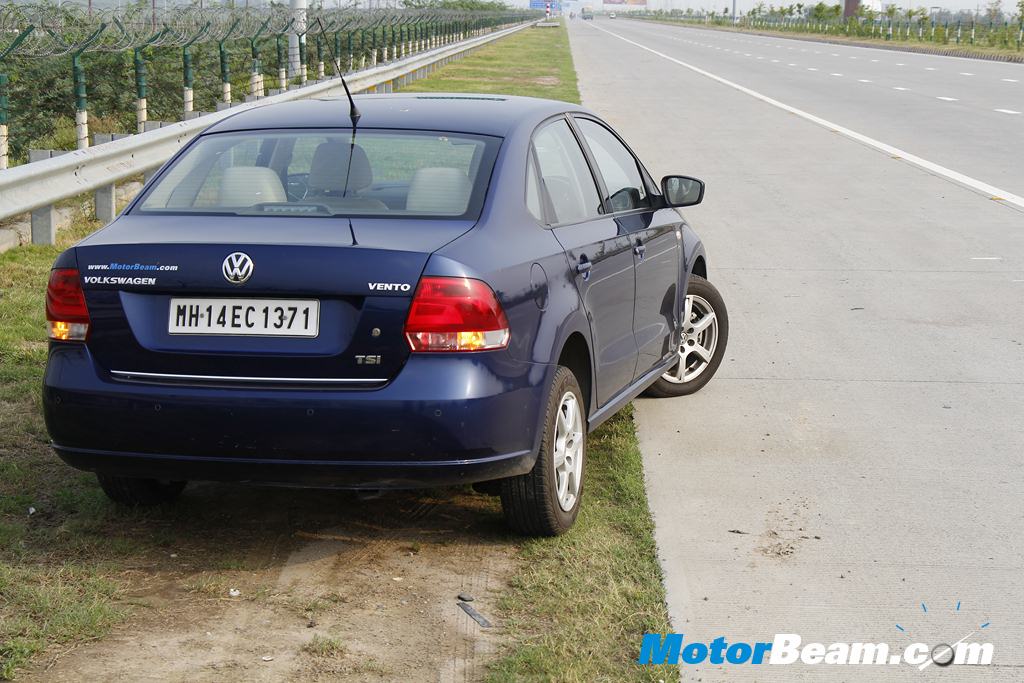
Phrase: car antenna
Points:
(353, 111)
(353, 114)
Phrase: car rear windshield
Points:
(328, 173)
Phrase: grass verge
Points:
(578, 604)
(53, 589)
(69, 571)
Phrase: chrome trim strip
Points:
(126, 374)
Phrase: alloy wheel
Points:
(698, 340)
(568, 448)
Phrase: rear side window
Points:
(565, 175)
(618, 167)
(317, 173)
(533, 201)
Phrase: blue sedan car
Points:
(455, 291)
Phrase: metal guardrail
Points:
(36, 187)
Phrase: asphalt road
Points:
(861, 450)
(967, 114)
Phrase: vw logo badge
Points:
(237, 268)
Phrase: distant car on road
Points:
(611, 15)
(456, 291)
(587, 14)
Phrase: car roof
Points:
(456, 112)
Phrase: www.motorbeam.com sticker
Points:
(789, 648)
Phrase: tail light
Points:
(455, 314)
(66, 311)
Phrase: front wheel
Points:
(139, 492)
(546, 500)
(705, 332)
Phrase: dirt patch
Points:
(547, 80)
(786, 528)
(371, 596)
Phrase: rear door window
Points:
(565, 175)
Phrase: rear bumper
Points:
(294, 472)
(444, 419)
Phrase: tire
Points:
(531, 502)
(139, 492)
(702, 300)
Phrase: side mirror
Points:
(681, 190)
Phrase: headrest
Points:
(330, 163)
(250, 185)
(439, 190)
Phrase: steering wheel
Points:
(297, 186)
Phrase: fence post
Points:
(225, 74)
(4, 103)
(141, 108)
(4, 108)
(81, 112)
(188, 78)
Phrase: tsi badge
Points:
(368, 359)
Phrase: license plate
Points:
(245, 317)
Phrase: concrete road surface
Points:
(860, 457)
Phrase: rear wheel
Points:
(139, 492)
(546, 500)
(705, 332)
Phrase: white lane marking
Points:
(930, 166)
(853, 58)
(811, 68)
(929, 68)
(900, 64)
(1007, 111)
(835, 74)
(964, 73)
(899, 88)
(986, 258)
(947, 99)
(1009, 80)
(833, 54)
(863, 80)
(791, 65)
(874, 60)
(774, 61)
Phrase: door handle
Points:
(584, 266)
(640, 250)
